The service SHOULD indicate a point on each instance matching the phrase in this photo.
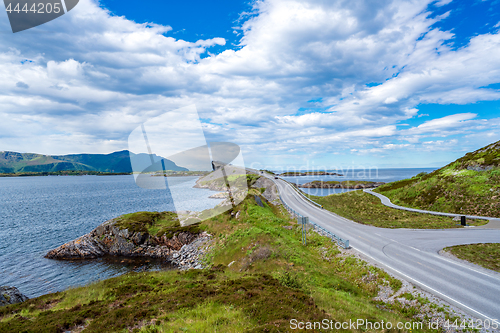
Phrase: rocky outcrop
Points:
(344, 185)
(190, 256)
(11, 295)
(108, 239)
(480, 168)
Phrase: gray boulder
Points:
(11, 295)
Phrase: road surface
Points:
(413, 255)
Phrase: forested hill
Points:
(117, 162)
(469, 185)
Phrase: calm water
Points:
(375, 175)
(38, 214)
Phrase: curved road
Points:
(493, 224)
(413, 255)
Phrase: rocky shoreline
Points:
(108, 239)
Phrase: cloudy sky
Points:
(306, 82)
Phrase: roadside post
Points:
(304, 220)
(463, 220)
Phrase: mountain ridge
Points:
(115, 162)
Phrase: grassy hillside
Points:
(470, 185)
(11, 162)
(486, 255)
(117, 162)
(367, 209)
(261, 278)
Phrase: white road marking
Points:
(432, 289)
(464, 266)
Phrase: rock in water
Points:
(11, 295)
(109, 239)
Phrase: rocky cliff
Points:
(146, 234)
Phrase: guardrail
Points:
(302, 193)
(342, 242)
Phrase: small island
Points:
(347, 184)
(309, 173)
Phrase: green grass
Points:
(272, 279)
(292, 173)
(367, 209)
(454, 191)
(236, 181)
(154, 223)
(470, 185)
(486, 255)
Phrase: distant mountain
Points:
(469, 185)
(118, 162)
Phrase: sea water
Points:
(38, 214)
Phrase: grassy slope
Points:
(486, 255)
(154, 223)
(28, 162)
(455, 188)
(272, 279)
(365, 208)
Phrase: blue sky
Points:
(190, 20)
(331, 83)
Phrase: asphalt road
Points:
(413, 255)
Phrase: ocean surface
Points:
(374, 175)
(38, 214)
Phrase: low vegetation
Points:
(154, 223)
(292, 173)
(470, 185)
(486, 255)
(365, 208)
(239, 181)
(261, 277)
